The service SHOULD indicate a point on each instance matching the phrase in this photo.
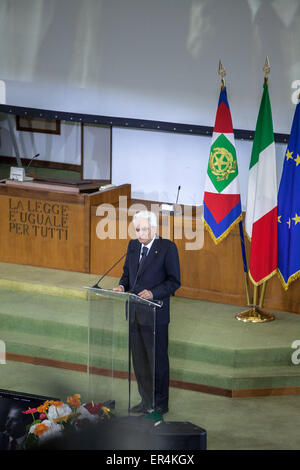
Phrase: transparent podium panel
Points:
(121, 349)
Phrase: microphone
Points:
(179, 188)
(35, 156)
(170, 207)
(96, 286)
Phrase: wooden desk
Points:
(49, 226)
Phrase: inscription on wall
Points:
(38, 218)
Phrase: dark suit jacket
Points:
(4, 440)
(160, 273)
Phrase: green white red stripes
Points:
(261, 214)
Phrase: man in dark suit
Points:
(14, 433)
(151, 271)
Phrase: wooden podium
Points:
(48, 223)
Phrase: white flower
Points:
(84, 413)
(59, 411)
(52, 431)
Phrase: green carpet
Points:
(45, 313)
(207, 345)
(265, 423)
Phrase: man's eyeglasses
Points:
(143, 229)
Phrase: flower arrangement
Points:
(56, 417)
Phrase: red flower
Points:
(93, 408)
(30, 411)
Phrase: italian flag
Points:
(222, 202)
(261, 213)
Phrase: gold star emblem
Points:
(289, 155)
(296, 219)
(289, 223)
(278, 219)
(297, 160)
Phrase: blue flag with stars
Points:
(289, 209)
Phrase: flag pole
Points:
(255, 296)
(255, 314)
(262, 294)
(244, 261)
(222, 73)
(266, 70)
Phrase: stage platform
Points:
(44, 321)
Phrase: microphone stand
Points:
(35, 156)
(179, 187)
(96, 286)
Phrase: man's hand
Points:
(146, 294)
(119, 289)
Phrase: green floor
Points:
(45, 313)
(270, 423)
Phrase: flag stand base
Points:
(255, 315)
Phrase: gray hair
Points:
(151, 216)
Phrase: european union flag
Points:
(289, 208)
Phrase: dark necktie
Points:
(13, 445)
(144, 254)
(141, 262)
(143, 257)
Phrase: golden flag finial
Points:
(222, 73)
(266, 69)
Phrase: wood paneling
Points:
(211, 272)
(215, 273)
(43, 232)
(106, 245)
(49, 228)
(110, 196)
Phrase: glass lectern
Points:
(121, 348)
